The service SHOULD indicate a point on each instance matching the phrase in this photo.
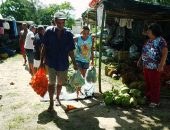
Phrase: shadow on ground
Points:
(102, 117)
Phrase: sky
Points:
(79, 5)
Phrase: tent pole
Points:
(100, 50)
(96, 40)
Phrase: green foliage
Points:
(19, 9)
(32, 10)
(45, 15)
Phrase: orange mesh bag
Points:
(39, 82)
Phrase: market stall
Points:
(126, 21)
(8, 37)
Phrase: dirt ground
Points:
(21, 109)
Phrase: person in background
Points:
(58, 45)
(154, 54)
(29, 47)
(22, 37)
(37, 46)
(84, 50)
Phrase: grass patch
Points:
(1, 109)
(17, 105)
(17, 121)
(38, 106)
(12, 94)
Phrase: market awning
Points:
(131, 9)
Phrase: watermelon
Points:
(124, 90)
(126, 101)
(135, 92)
(107, 93)
(115, 91)
(108, 100)
(133, 101)
(117, 100)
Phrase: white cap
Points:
(59, 15)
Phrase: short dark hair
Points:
(86, 28)
(156, 29)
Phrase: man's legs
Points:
(61, 80)
(51, 86)
(30, 56)
(23, 52)
(51, 89)
(59, 87)
(25, 60)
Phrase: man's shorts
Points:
(82, 65)
(36, 63)
(30, 55)
(61, 76)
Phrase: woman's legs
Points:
(83, 72)
(155, 86)
(152, 78)
(148, 85)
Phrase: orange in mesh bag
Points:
(39, 82)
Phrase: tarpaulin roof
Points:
(132, 9)
(137, 10)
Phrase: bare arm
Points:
(75, 40)
(42, 55)
(71, 54)
(139, 61)
(92, 52)
(163, 59)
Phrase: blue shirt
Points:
(58, 48)
(152, 52)
(83, 49)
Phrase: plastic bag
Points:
(77, 80)
(133, 48)
(70, 88)
(133, 51)
(91, 75)
(39, 82)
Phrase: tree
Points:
(32, 10)
(46, 14)
(19, 9)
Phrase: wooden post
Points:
(100, 52)
(96, 39)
